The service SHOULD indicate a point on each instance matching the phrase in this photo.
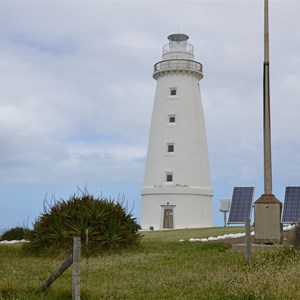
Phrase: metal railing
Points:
(178, 64)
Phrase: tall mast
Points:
(266, 101)
(267, 208)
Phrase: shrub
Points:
(16, 233)
(108, 223)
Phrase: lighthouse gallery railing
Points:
(178, 64)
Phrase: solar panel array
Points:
(241, 204)
(291, 207)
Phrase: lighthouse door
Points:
(168, 218)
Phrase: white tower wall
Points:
(177, 175)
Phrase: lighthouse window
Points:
(173, 91)
(170, 147)
(172, 119)
(169, 177)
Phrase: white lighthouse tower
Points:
(177, 189)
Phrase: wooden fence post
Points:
(248, 241)
(54, 275)
(76, 268)
(87, 261)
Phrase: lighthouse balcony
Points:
(178, 65)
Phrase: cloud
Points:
(77, 88)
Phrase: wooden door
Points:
(168, 218)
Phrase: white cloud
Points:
(77, 89)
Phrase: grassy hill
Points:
(161, 268)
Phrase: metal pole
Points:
(248, 241)
(266, 32)
(266, 100)
(224, 218)
(76, 268)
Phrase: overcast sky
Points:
(77, 94)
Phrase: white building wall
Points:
(190, 192)
(188, 211)
(189, 162)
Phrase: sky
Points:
(77, 94)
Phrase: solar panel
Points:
(241, 204)
(291, 206)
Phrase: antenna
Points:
(266, 105)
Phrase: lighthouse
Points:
(177, 190)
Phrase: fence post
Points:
(87, 261)
(248, 241)
(54, 275)
(76, 268)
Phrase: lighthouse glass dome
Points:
(178, 42)
(177, 189)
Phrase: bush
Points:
(16, 233)
(108, 223)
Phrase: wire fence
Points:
(73, 260)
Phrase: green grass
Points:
(175, 235)
(161, 268)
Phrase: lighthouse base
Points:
(175, 210)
